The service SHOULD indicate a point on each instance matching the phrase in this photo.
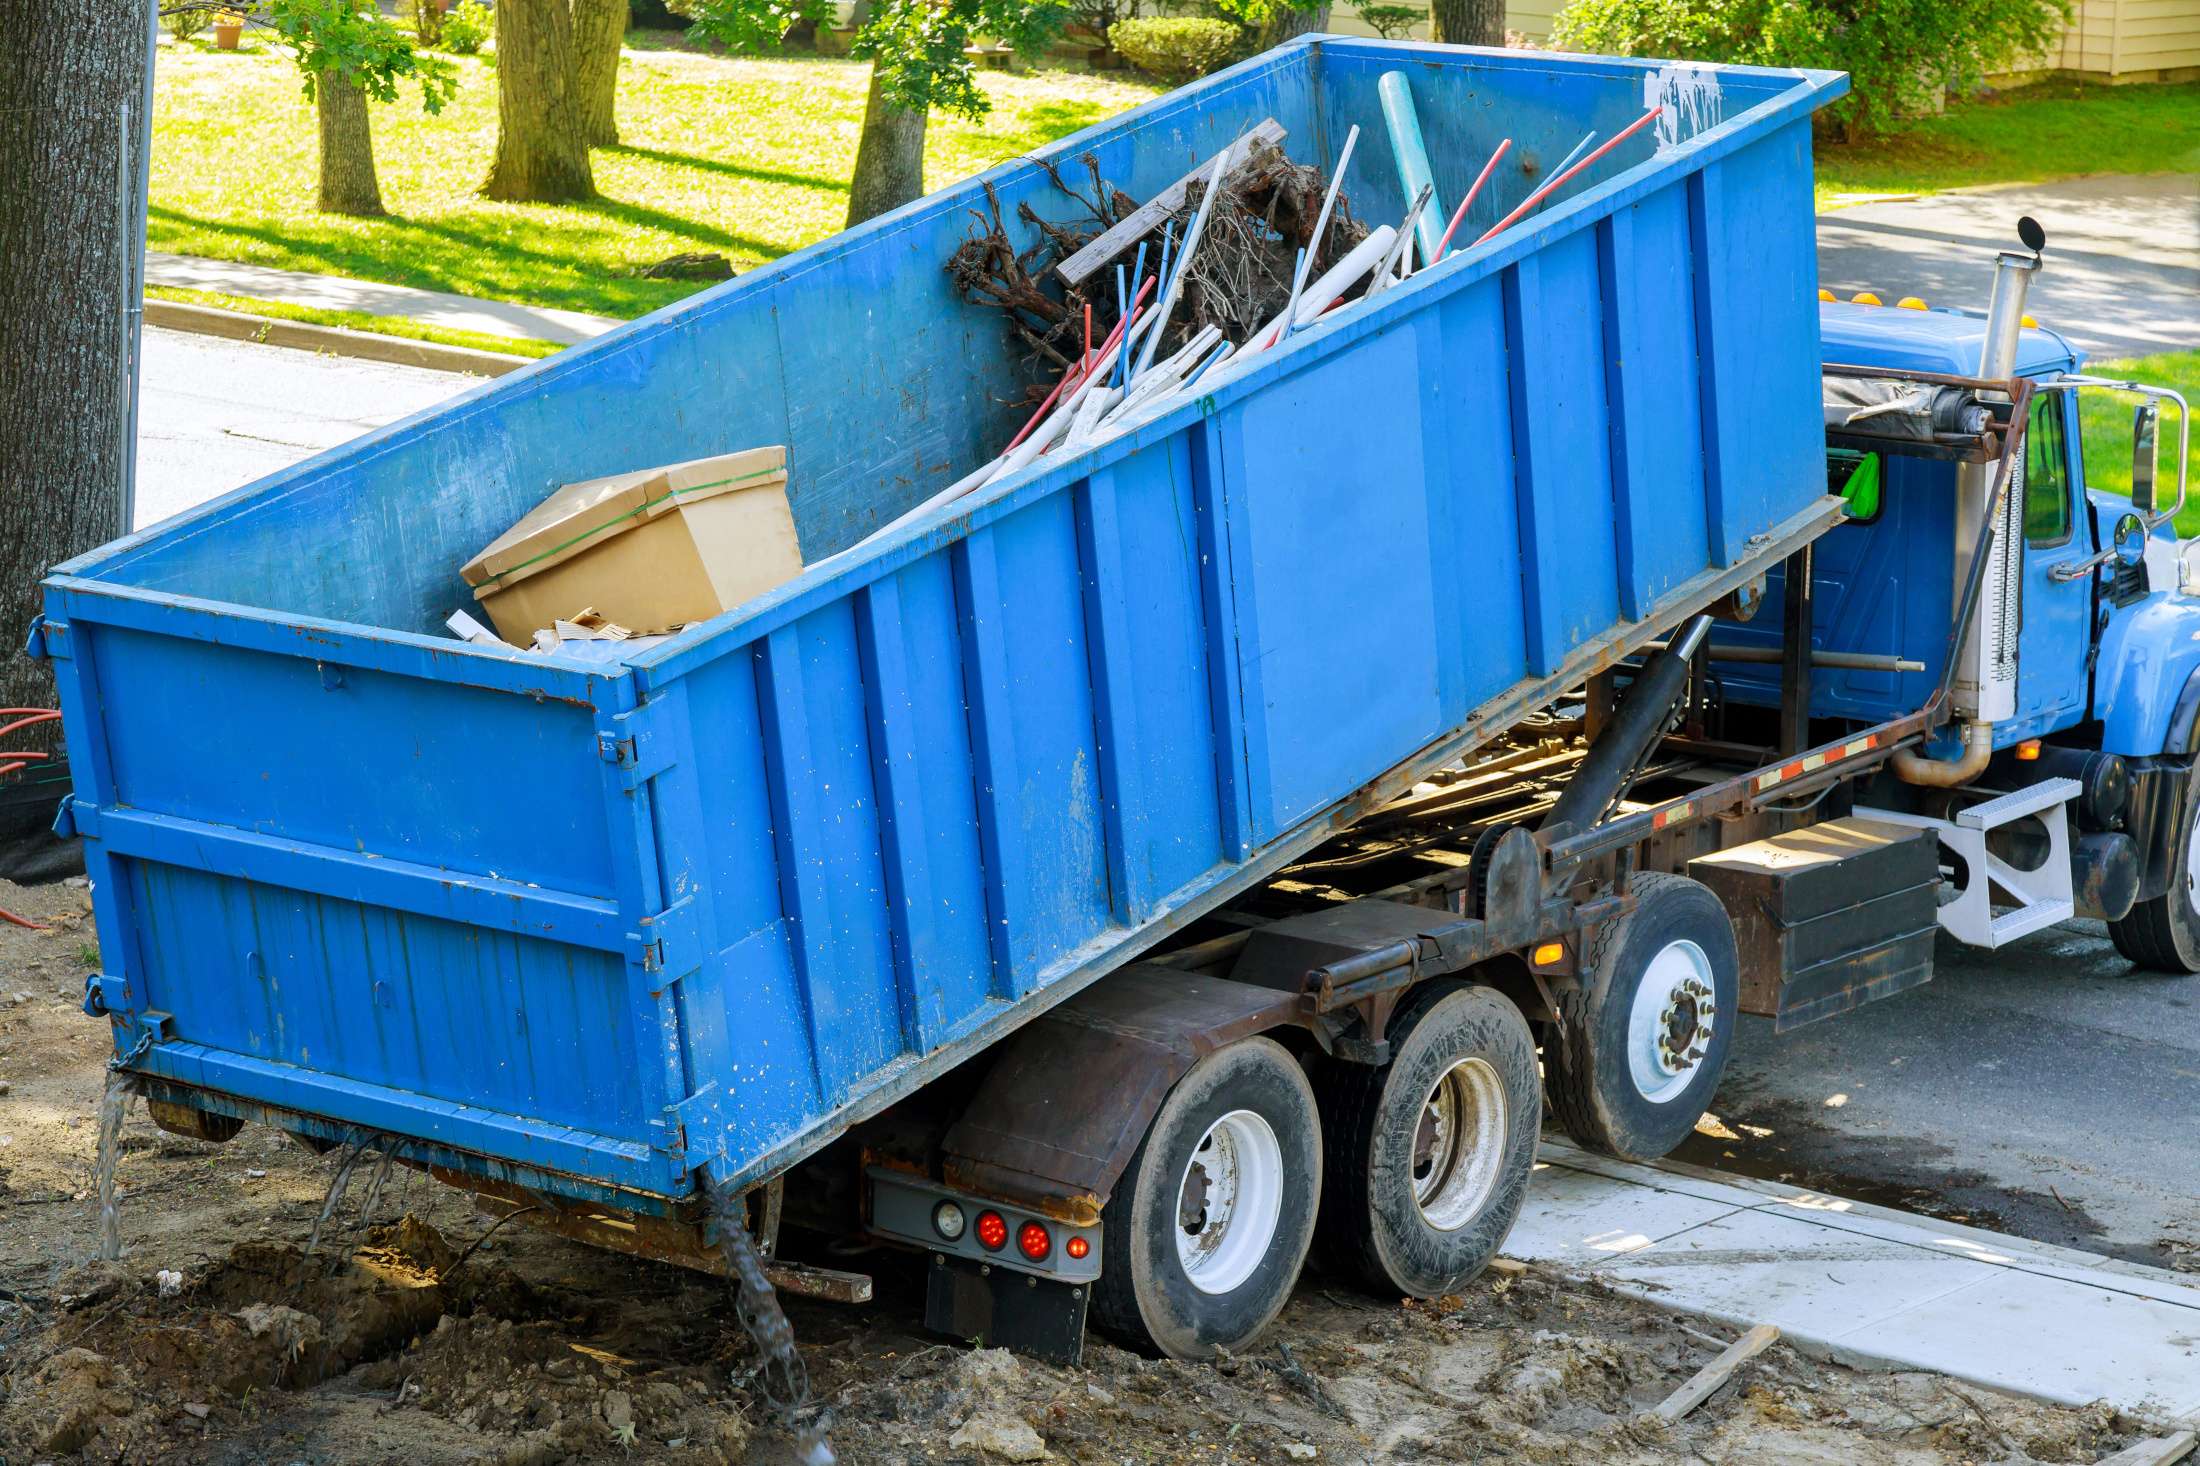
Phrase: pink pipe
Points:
(1540, 194)
(1468, 202)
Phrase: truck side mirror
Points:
(2145, 420)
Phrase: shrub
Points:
(1388, 21)
(468, 28)
(1175, 49)
(1899, 53)
(184, 24)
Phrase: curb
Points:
(207, 320)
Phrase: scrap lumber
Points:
(1142, 221)
(2160, 1451)
(1717, 1372)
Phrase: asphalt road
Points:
(2047, 1088)
(213, 415)
(2123, 256)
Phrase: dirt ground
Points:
(216, 1339)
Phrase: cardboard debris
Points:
(647, 550)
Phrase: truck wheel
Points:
(1429, 1155)
(2163, 932)
(1207, 1229)
(1648, 1028)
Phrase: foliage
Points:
(1176, 48)
(468, 28)
(1899, 53)
(915, 46)
(347, 42)
(1100, 16)
(348, 39)
(1387, 21)
(749, 158)
(427, 21)
(184, 24)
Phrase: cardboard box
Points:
(650, 550)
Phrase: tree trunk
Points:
(1468, 22)
(67, 341)
(542, 156)
(1286, 24)
(599, 27)
(348, 184)
(889, 158)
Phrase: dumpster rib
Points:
(1115, 948)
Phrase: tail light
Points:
(992, 1231)
(1032, 1240)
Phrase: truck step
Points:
(2017, 804)
(2038, 898)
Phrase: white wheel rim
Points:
(1229, 1201)
(2192, 860)
(1671, 1023)
(1459, 1145)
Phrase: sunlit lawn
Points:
(2054, 129)
(2105, 419)
(747, 158)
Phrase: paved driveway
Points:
(2123, 256)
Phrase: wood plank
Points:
(1717, 1372)
(2160, 1451)
(1147, 217)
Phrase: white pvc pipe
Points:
(1323, 293)
(1063, 415)
(1183, 266)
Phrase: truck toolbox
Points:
(1828, 917)
(609, 931)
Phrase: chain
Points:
(136, 1052)
(782, 1377)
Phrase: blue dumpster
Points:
(609, 931)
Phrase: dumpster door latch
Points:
(636, 745)
(669, 944)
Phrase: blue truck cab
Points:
(2087, 614)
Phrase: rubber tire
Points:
(1370, 1228)
(2163, 932)
(1144, 1297)
(1586, 1076)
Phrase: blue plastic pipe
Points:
(1412, 155)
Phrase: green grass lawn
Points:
(2105, 419)
(2053, 129)
(750, 158)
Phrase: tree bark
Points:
(68, 345)
(599, 27)
(1468, 22)
(348, 182)
(1287, 24)
(889, 158)
(67, 337)
(542, 156)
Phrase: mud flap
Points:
(999, 1308)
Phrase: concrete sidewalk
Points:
(333, 292)
(1867, 1286)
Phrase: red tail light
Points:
(992, 1231)
(1032, 1240)
(1077, 1248)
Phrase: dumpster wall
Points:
(610, 926)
